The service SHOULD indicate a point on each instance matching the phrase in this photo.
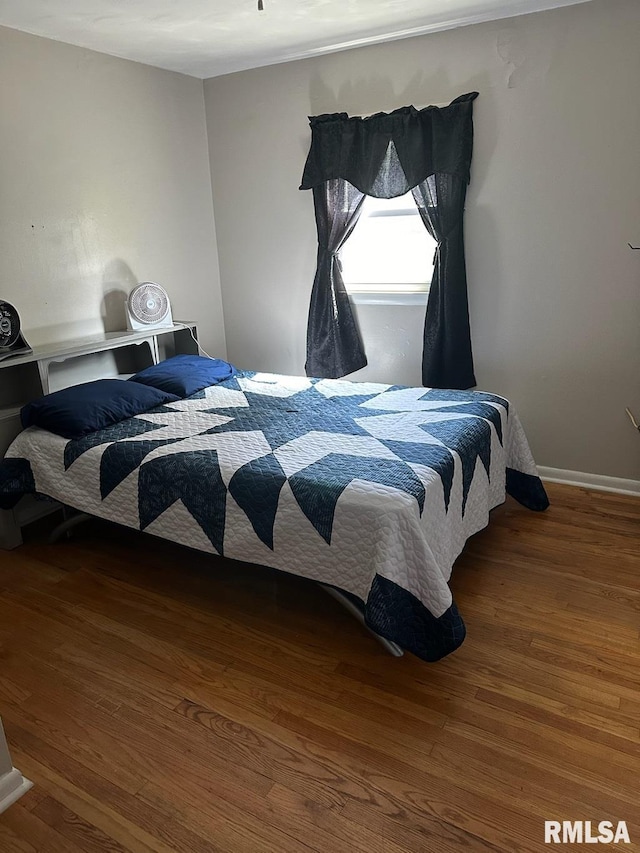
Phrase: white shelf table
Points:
(29, 376)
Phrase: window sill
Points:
(389, 298)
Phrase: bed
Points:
(367, 488)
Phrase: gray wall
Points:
(104, 182)
(5, 759)
(555, 196)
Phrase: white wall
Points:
(12, 783)
(554, 198)
(104, 182)
(5, 758)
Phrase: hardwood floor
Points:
(161, 700)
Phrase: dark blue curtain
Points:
(334, 345)
(447, 360)
(385, 155)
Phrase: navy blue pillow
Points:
(184, 375)
(81, 409)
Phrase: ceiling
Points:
(205, 38)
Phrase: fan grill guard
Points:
(149, 303)
(9, 324)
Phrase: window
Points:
(390, 250)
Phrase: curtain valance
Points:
(387, 154)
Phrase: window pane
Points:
(381, 206)
(389, 249)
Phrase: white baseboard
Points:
(600, 482)
(12, 786)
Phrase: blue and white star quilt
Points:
(370, 488)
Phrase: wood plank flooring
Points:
(162, 700)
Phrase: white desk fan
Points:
(148, 307)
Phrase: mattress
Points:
(370, 488)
